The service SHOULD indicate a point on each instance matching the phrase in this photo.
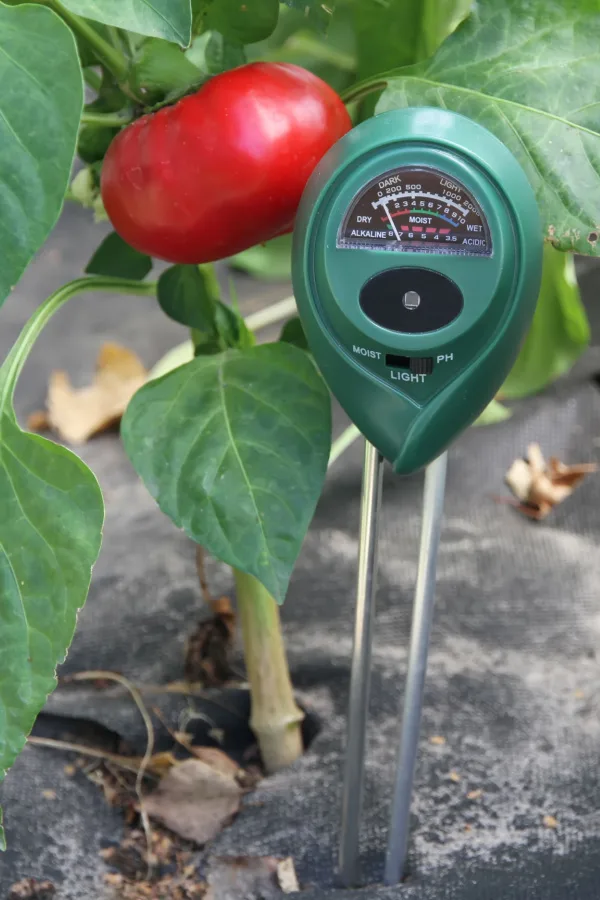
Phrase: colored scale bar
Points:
(428, 230)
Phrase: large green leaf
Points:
(393, 33)
(50, 534)
(169, 19)
(234, 449)
(40, 107)
(243, 21)
(528, 71)
(559, 332)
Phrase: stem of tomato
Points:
(109, 120)
(363, 88)
(275, 718)
(92, 78)
(113, 59)
(14, 362)
(345, 440)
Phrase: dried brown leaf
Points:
(194, 800)
(31, 889)
(208, 648)
(286, 876)
(160, 763)
(38, 420)
(78, 413)
(540, 486)
(217, 760)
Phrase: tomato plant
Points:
(192, 124)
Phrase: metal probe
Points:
(433, 505)
(361, 666)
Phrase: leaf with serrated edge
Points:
(169, 19)
(234, 449)
(528, 71)
(40, 108)
(50, 534)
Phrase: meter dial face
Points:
(416, 209)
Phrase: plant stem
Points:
(346, 438)
(363, 88)
(110, 120)
(92, 79)
(271, 314)
(14, 362)
(113, 59)
(275, 718)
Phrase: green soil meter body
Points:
(416, 268)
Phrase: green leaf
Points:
(492, 414)
(40, 108)
(243, 21)
(87, 56)
(189, 295)
(394, 33)
(50, 535)
(117, 259)
(528, 71)
(94, 141)
(168, 19)
(212, 53)
(232, 331)
(316, 12)
(163, 67)
(293, 333)
(559, 332)
(271, 261)
(234, 449)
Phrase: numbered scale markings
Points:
(416, 209)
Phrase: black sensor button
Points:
(389, 300)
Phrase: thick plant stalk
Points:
(275, 717)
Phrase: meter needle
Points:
(391, 221)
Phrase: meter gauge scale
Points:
(417, 210)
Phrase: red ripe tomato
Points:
(222, 169)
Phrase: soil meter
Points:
(416, 267)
